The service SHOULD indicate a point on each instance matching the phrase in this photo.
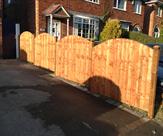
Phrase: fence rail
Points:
(122, 69)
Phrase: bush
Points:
(112, 29)
(142, 38)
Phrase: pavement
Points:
(33, 103)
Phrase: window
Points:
(156, 32)
(120, 4)
(159, 12)
(86, 27)
(136, 28)
(137, 6)
(93, 1)
(125, 25)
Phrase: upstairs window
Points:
(93, 1)
(137, 6)
(159, 12)
(120, 4)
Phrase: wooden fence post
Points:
(155, 62)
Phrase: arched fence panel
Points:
(73, 59)
(124, 70)
(45, 50)
(27, 47)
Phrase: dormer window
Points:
(93, 1)
(120, 4)
(137, 6)
(159, 12)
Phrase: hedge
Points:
(143, 38)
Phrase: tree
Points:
(112, 29)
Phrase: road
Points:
(33, 103)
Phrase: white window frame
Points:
(138, 4)
(127, 28)
(159, 12)
(96, 30)
(138, 28)
(117, 6)
(94, 1)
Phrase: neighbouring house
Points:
(84, 18)
(138, 15)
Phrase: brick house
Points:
(64, 17)
(138, 15)
(85, 18)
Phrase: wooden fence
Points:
(122, 69)
(45, 51)
(27, 47)
(39, 50)
(74, 59)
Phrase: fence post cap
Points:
(156, 47)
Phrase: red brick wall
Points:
(31, 15)
(128, 15)
(158, 20)
(88, 8)
(73, 5)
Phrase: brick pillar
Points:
(36, 17)
(152, 21)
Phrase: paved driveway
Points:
(32, 103)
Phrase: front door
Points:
(56, 29)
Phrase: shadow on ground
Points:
(79, 113)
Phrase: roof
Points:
(56, 10)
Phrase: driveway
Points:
(33, 103)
